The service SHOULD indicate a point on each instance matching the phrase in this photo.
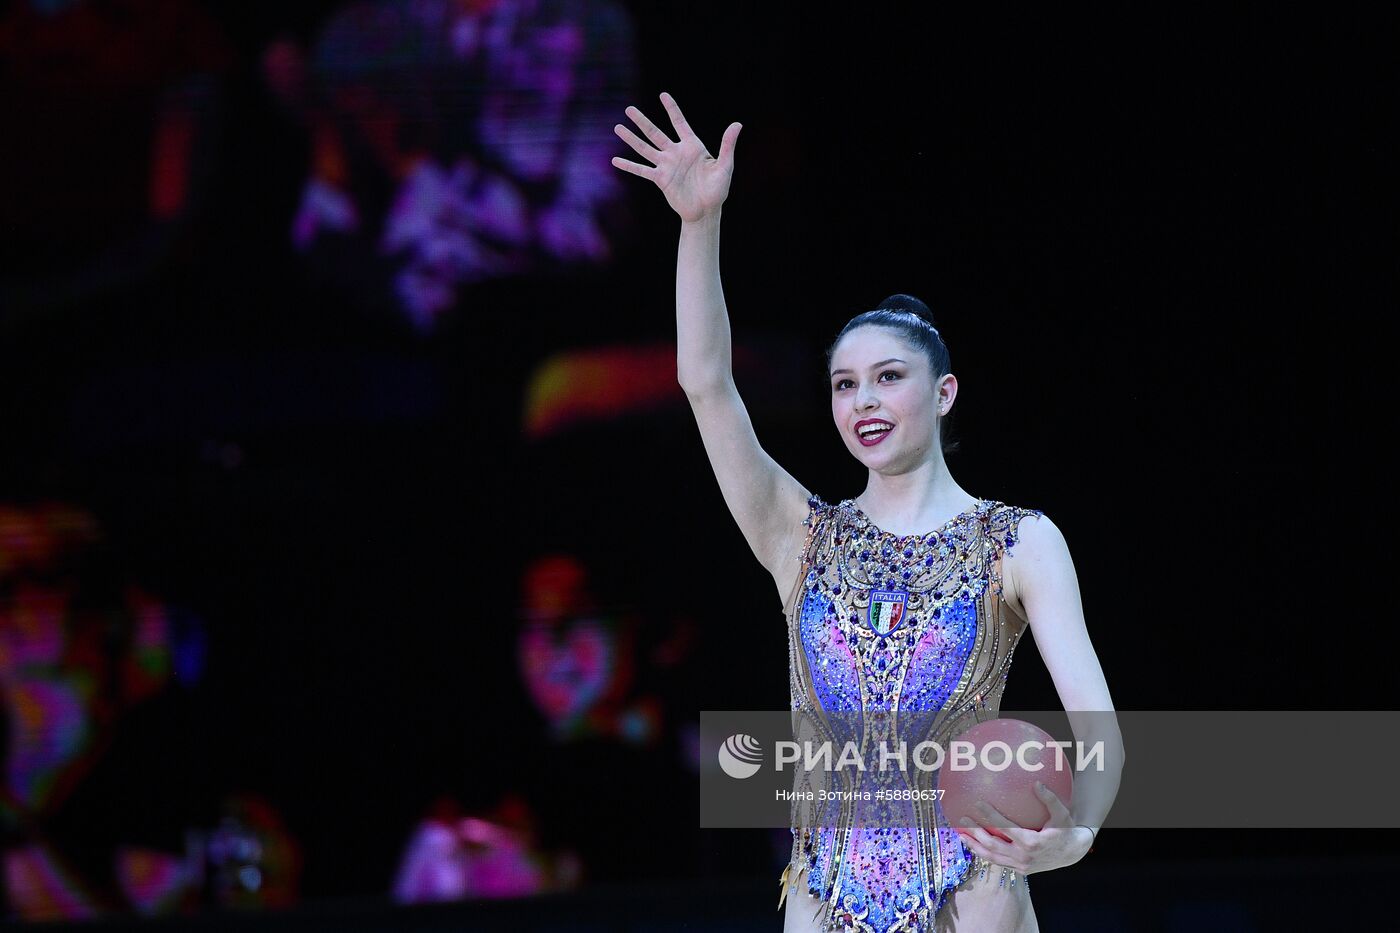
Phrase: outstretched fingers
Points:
(662, 145)
(633, 140)
(726, 146)
(678, 121)
(645, 171)
(659, 139)
(642, 149)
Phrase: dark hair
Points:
(913, 321)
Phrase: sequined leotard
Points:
(941, 650)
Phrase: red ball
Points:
(1011, 789)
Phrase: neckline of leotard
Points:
(966, 514)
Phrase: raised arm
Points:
(768, 504)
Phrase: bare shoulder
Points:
(1036, 554)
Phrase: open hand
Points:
(694, 182)
(1057, 844)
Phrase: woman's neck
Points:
(924, 498)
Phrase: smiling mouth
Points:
(872, 434)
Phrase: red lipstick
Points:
(872, 437)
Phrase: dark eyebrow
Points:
(873, 366)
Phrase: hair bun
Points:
(909, 303)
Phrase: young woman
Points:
(905, 598)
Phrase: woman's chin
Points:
(871, 456)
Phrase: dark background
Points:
(1161, 252)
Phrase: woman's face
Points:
(884, 399)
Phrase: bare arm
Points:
(766, 501)
(1046, 586)
(1042, 588)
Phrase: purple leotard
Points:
(880, 624)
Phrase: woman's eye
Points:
(842, 384)
(889, 372)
